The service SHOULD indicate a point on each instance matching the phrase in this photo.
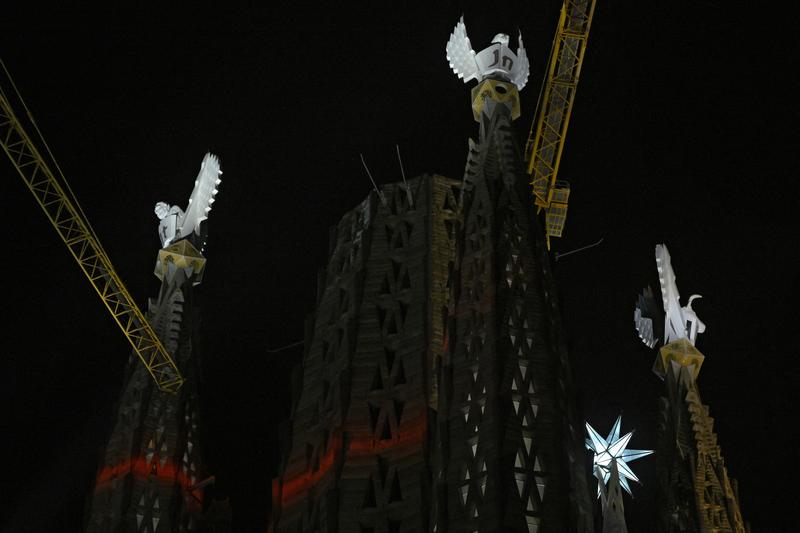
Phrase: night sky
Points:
(680, 134)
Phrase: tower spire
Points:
(612, 505)
(506, 436)
(151, 474)
(696, 493)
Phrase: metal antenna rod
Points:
(285, 347)
(380, 194)
(403, 172)
(576, 250)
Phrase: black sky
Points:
(680, 134)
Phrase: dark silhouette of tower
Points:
(612, 506)
(435, 392)
(695, 492)
(151, 466)
(510, 456)
(358, 450)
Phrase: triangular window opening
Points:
(386, 433)
(395, 495)
(377, 380)
(400, 377)
(369, 497)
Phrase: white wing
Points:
(205, 188)
(674, 325)
(460, 54)
(647, 316)
(519, 76)
(644, 326)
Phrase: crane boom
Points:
(549, 129)
(84, 246)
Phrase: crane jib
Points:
(76, 234)
(549, 129)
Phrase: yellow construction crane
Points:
(71, 225)
(549, 129)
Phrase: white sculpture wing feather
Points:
(205, 188)
(673, 321)
(644, 327)
(647, 317)
(519, 76)
(460, 54)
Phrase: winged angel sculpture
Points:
(175, 223)
(496, 61)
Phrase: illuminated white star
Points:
(610, 449)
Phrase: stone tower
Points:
(150, 478)
(510, 456)
(357, 452)
(612, 506)
(152, 460)
(695, 492)
(436, 392)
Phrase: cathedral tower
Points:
(357, 450)
(510, 459)
(695, 493)
(151, 472)
(436, 392)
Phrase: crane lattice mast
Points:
(85, 247)
(549, 129)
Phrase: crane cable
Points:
(539, 97)
(73, 197)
